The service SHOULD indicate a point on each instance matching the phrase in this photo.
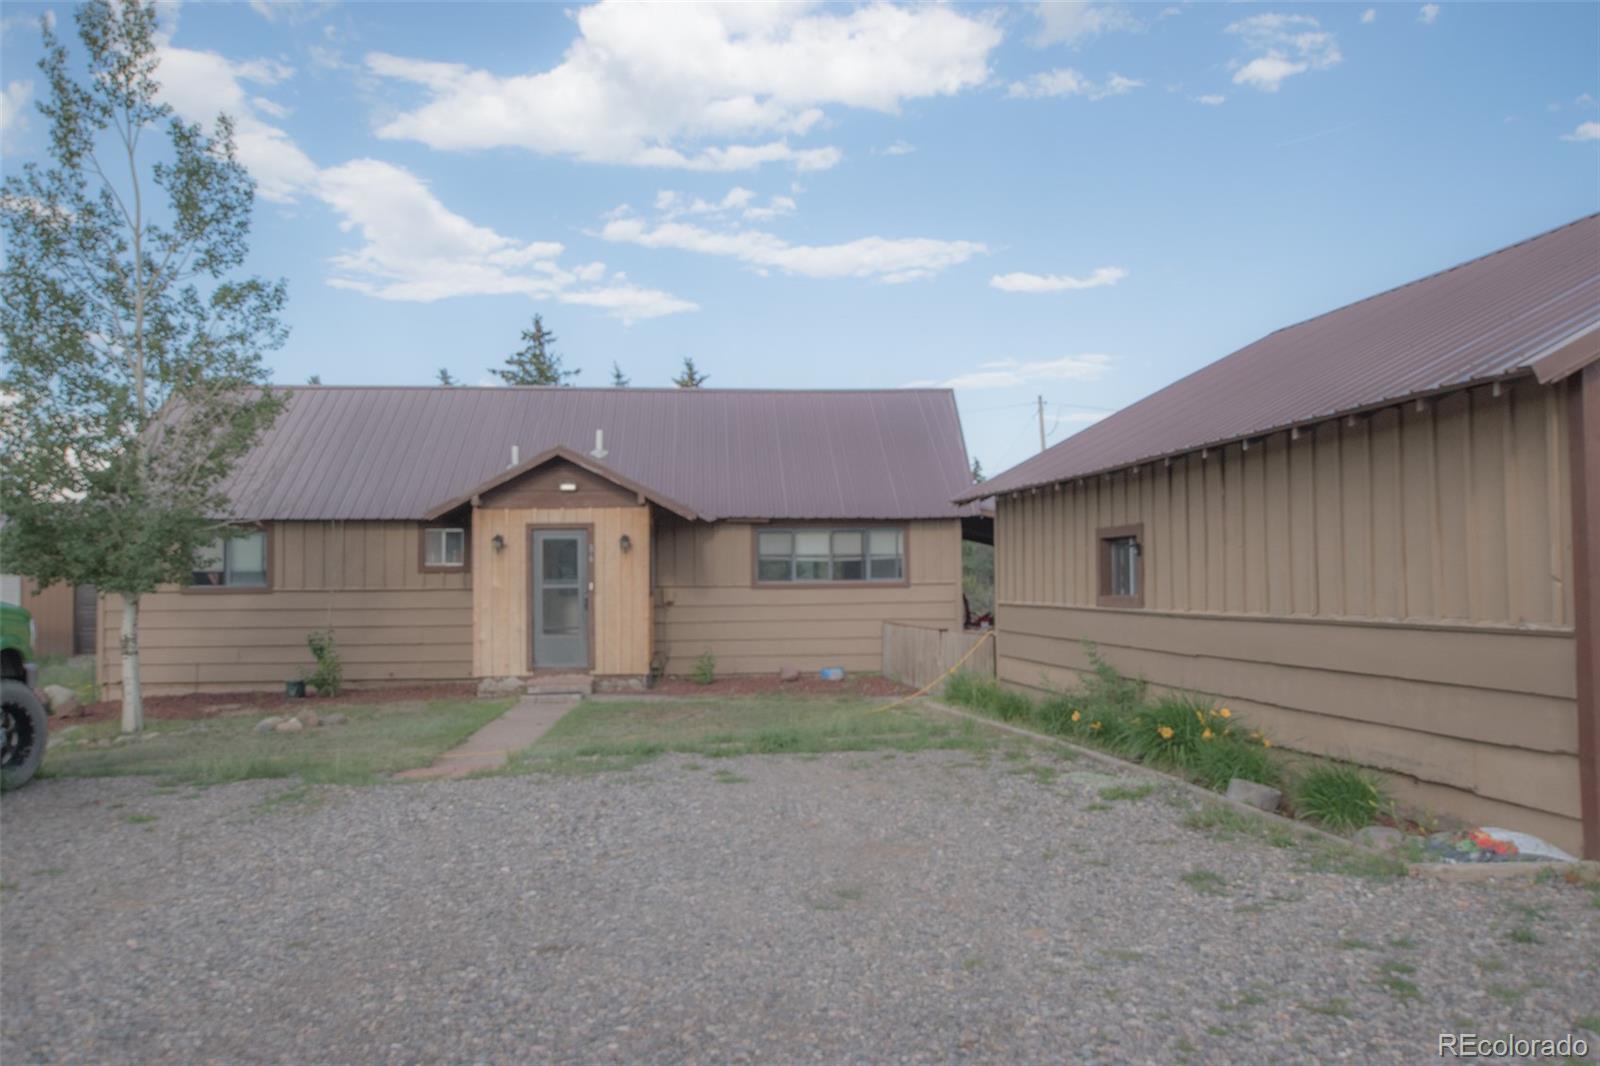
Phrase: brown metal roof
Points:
(1529, 308)
(396, 453)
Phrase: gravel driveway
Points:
(850, 908)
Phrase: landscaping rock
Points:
(60, 699)
(788, 673)
(291, 726)
(309, 719)
(1255, 795)
(490, 687)
(334, 719)
(269, 723)
(1382, 837)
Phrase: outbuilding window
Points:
(1121, 566)
(444, 548)
(238, 561)
(817, 554)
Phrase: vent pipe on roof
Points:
(599, 444)
(515, 457)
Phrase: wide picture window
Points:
(817, 555)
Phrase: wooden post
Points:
(1584, 428)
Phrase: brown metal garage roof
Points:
(1531, 308)
(394, 452)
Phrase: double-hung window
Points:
(233, 562)
(816, 554)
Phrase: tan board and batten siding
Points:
(394, 623)
(706, 600)
(1395, 590)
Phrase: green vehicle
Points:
(26, 728)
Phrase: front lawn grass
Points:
(375, 741)
(600, 735)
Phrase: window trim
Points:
(464, 567)
(1103, 538)
(903, 528)
(265, 529)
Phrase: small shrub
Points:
(1229, 757)
(1173, 730)
(705, 669)
(1106, 689)
(328, 677)
(1344, 798)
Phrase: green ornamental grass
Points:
(1341, 797)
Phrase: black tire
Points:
(27, 731)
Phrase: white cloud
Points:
(1429, 14)
(200, 85)
(738, 201)
(1072, 22)
(1585, 100)
(699, 87)
(1210, 99)
(14, 101)
(412, 247)
(1020, 282)
(880, 258)
(1586, 131)
(1370, 15)
(1010, 373)
(1286, 45)
(1064, 81)
(900, 148)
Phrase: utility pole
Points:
(1041, 423)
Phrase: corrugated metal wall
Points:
(1456, 512)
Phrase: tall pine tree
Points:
(536, 362)
(689, 377)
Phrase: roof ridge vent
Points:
(599, 451)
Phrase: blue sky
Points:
(1083, 201)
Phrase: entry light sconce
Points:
(626, 543)
(499, 543)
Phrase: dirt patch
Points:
(768, 684)
(196, 705)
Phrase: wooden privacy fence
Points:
(919, 655)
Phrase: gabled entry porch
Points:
(561, 568)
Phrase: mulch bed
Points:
(768, 685)
(197, 705)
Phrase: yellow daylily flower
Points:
(1165, 731)
(1265, 743)
(1206, 735)
(1094, 725)
(1224, 713)
(1076, 716)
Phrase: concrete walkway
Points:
(489, 747)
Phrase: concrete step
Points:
(560, 685)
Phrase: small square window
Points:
(1121, 567)
(444, 548)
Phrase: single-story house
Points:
(460, 533)
(1372, 533)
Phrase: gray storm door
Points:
(560, 598)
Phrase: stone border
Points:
(1459, 873)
